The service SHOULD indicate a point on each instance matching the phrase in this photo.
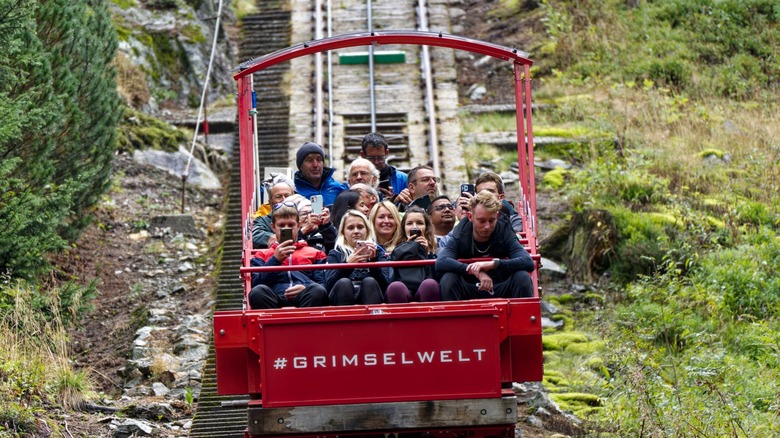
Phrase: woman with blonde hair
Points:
(416, 242)
(356, 244)
(386, 222)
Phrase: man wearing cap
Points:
(374, 149)
(312, 177)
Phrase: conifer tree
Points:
(58, 113)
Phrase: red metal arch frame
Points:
(521, 64)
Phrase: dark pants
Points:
(397, 292)
(263, 297)
(344, 293)
(455, 288)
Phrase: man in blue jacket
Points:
(374, 149)
(312, 177)
(484, 233)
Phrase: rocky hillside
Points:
(164, 52)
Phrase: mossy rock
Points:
(561, 341)
(140, 131)
(584, 348)
(567, 400)
(593, 297)
(712, 152)
(566, 298)
(554, 381)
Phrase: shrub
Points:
(747, 279)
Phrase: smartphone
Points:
(467, 188)
(384, 184)
(316, 204)
(415, 232)
(285, 235)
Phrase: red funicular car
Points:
(445, 368)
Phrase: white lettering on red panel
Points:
(381, 359)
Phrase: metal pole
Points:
(433, 137)
(372, 102)
(330, 92)
(318, 135)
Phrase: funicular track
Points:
(265, 32)
(403, 120)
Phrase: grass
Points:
(35, 372)
(686, 341)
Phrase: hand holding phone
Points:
(415, 233)
(467, 188)
(316, 204)
(285, 234)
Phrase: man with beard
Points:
(312, 177)
(442, 214)
(423, 187)
(374, 148)
(484, 233)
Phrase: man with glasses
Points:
(261, 226)
(442, 213)
(423, 187)
(362, 171)
(374, 148)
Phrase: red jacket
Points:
(279, 281)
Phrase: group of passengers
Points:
(382, 214)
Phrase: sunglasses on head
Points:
(285, 204)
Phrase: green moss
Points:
(664, 219)
(585, 348)
(575, 132)
(578, 397)
(566, 298)
(707, 152)
(140, 131)
(193, 33)
(125, 4)
(581, 404)
(593, 298)
(554, 178)
(561, 341)
(123, 33)
(714, 222)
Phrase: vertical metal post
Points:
(433, 136)
(372, 101)
(530, 148)
(330, 92)
(522, 159)
(318, 110)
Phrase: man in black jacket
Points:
(484, 233)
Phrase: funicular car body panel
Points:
(444, 366)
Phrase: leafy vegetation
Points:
(691, 319)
